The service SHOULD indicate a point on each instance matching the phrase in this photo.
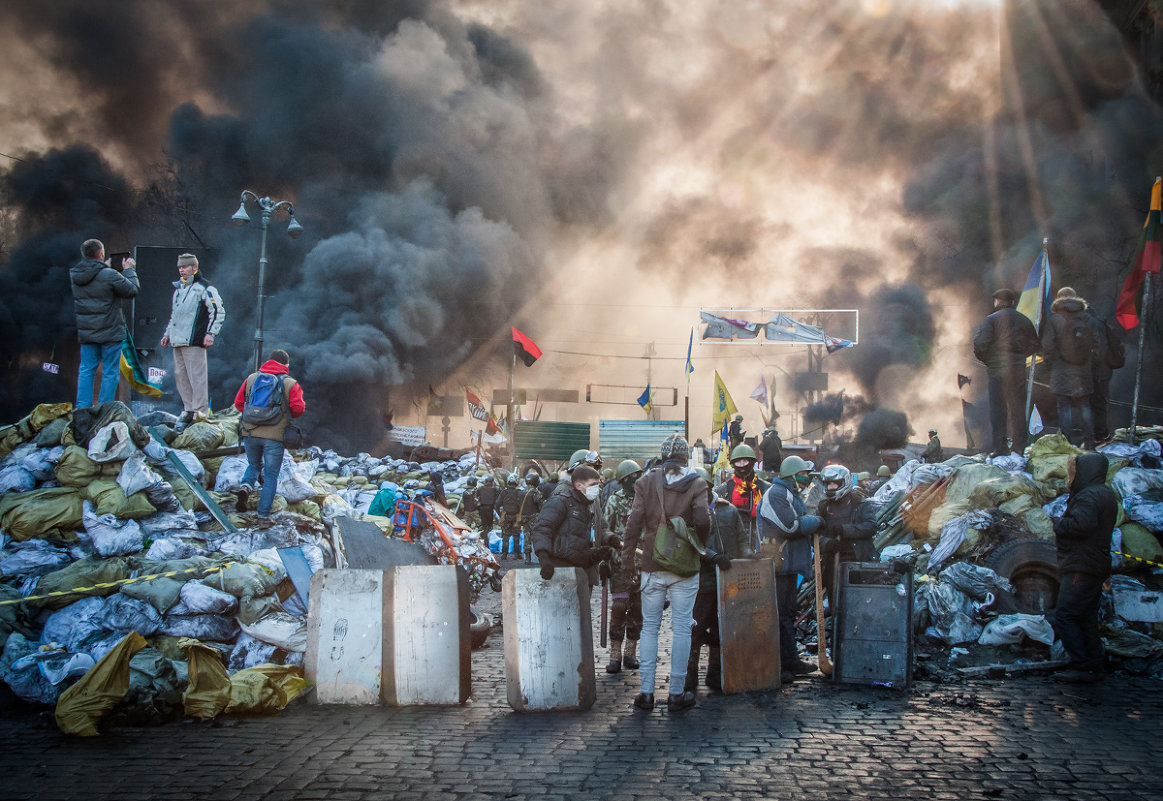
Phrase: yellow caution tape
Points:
(1137, 559)
(104, 585)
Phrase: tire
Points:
(479, 627)
(1031, 565)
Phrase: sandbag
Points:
(111, 500)
(22, 674)
(1039, 524)
(265, 689)
(1137, 541)
(208, 692)
(135, 475)
(33, 558)
(110, 535)
(214, 628)
(950, 510)
(54, 512)
(28, 427)
(1049, 457)
(1017, 506)
(281, 629)
(84, 573)
(75, 468)
(249, 652)
(50, 435)
(166, 523)
(199, 437)
(1001, 489)
(229, 426)
(251, 610)
(82, 705)
(41, 462)
(86, 422)
(241, 579)
(1132, 481)
(967, 477)
(200, 599)
(75, 626)
(160, 593)
(165, 548)
(111, 443)
(122, 614)
(229, 476)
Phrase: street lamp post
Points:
(294, 230)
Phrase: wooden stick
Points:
(821, 639)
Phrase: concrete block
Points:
(549, 647)
(749, 626)
(427, 654)
(345, 636)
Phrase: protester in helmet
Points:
(849, 522)
(469, 506)
(594, 460)
(735, 432)
(744, 491)
(561, 535)
(625, 586)
(933, 452)
(531, 503)
(785, 530)
(487, 501)
(509, 502)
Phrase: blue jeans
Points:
(267, 454)
(655, 588)
(109, 357)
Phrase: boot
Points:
(615, 663)
(692, 669)
(630, 655)
(714, 670)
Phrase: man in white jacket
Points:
(196, 317)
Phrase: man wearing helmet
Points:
(849, 523)
(531, 502)
(785, 530)
(487, 500)
(591, 459)
(771, 448)
(735, 432)
(626, 586)
(883, 474)
(933, 452)
(469, 505)
(672, 490)
(744, 491)
(509, 503)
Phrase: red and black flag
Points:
(525, 348)
(476, 407)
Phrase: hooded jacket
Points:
(1005, 339)
(196, 311)
(1083, 533)
(684, 494)
(292, 401)
(1069, 380)
(561, 535)
(97, 292)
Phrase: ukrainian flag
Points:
(1034, 301)
(644, 401)
(131, 369)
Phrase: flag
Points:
(727, 328)
(760, 393)
(525, 348)
(131, 369)
(690, 368)
(833, 344)
(1034, 301)
(723, 461)
(435, 403)
(1147, 260)
(644, 401)
(722, 406)
(476, 407)
(963, 380)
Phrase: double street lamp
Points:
(294, 230)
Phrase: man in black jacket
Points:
(1003, 342)
(561, 535)
(1083, 537)
(771, 448)
(98, 290)
(849, 522)
(486, 502)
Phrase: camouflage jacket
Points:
(617, 512)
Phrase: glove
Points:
(597, 555)
(722, 561)
(829, 545)
(604, 571)
(547, 572)
(835, 529)
(614, 541)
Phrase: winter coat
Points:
(684, 494)
(292, 402)
(851, 519)
(727, 536)
(487, 496)
(97, 293)
(784, 519)
(933, 452)
(771, 448)
(196, 311)
(561, 535)
(1005, 339)
(745, 499)
(598, 512)
(1083, 533)
(510, 503)
(1066, 379)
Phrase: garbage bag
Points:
(33, 558)
(950, 613)
(1132, 481)
(74, 625)
(208, 691)
(54, 512)
(171, 548)
(111, 443)
(75, 468)
(41, 462)
(136, 475)
(215, 628)
(160, 593)
(281, 629)
(265, 689)
(200, 599)
(199, 437)
(1011, 629)
(241, 579)
(82, 705)
(110, 500)
(22, 675)
(975, 581)
(1049, 455)
(251, 609)
(1057, 507)
(13, 617)
(100, 646)
(15, 478)
(110, 535)
(122, 614)
(82, 574)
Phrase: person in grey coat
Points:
(98, 290)
(1069, 344)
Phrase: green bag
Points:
(675, 550)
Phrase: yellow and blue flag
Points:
(131, 369)
(1034, 302)
(690, 368)
(644, 401)
(722, 405)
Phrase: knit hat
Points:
(187, 260)
(674, 447)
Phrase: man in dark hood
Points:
(1083, 537)
(1002, 342)
(1069, 344)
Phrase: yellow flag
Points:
(722, 406)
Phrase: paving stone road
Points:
(1023, 738)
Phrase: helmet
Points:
(472, 481)
(674, 447)
(532, 479)
(739, 417)
(607, 473)
(743, 452)
(555, 476)
(580, 457)
(883, 471)
(627, 467)
(512, 479)
(836, 473)
(792, 465)
(862, 476)
(703, 474)
(932, 432)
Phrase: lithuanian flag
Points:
(1147, 260)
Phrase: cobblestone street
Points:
(1024, 738)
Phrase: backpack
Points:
(1116, 351)
(264, 400)
(1076, 341)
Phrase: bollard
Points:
(427, 652)
(749, 626)
(549, 647)
(345, 636)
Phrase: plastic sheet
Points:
(1012, 629)
(281, 629)
(975, 581)
(950, 612)
(111, 443)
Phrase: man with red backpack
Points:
(268, 400)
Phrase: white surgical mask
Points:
(592, 492)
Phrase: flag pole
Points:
(1139, 361)
(1038, 326)
(509, 414)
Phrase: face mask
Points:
(591, 492)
